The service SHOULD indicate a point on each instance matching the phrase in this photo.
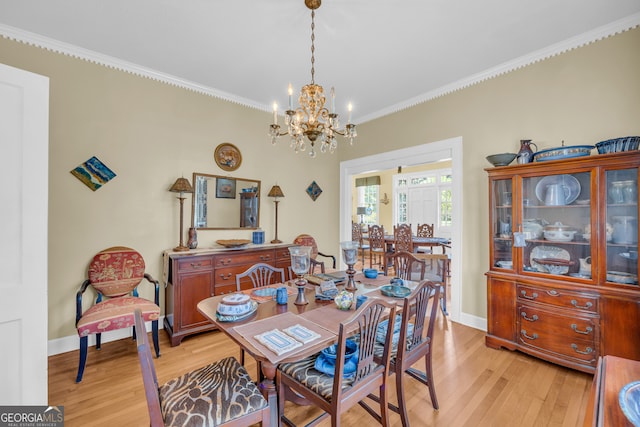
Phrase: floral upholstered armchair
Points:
(114, 273)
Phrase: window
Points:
(368, 196)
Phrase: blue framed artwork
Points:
(93, 173)
(314, 191)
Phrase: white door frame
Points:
(420, 154)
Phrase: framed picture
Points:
(227, 157)
(225, 188)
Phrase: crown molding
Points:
(74, 51)
(584, 39)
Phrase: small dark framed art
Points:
(225, 188)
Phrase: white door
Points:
(24, 138)
(422, 207)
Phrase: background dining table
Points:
(321, 317)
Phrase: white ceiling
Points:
(381, 55)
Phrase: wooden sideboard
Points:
(198, 274)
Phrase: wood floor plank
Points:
(476, 385)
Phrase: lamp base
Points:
(180, 248)
(276, 241)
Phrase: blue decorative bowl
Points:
(370, 273)
(629, 399)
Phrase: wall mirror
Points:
(224, 202)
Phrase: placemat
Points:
(282, 321)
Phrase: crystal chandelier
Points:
(311, 120)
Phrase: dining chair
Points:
(114, 273)
(438, 272)
(308, 240)
(417, 325)
(219, 394)
(406, 266)
(377, 245)
(300, 382)
(402, 238)
(356, 236)
(259, 275)
(424, 230)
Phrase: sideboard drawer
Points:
(195, 263)
(570, 336)
(558, 297)
(245, 258)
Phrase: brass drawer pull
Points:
(196, 264)
(524, 334)
(524, 295)
(575, 304)
(587, 331)
(530, 319)
(265, 257)
(588, 350)
(226, 261)
(553, 293)
(226, 276)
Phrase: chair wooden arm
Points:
(157, 287)
(332, 258)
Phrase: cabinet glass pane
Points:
(622, 226)
(556, 219)
(501, 205)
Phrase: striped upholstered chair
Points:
(218, 394)
(114, 273)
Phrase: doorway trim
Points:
(425, 153)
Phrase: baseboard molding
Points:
(72, 342)
(473, 321)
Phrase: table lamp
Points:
(361, 210)
(276, 192)
(181, 186)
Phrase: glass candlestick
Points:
(350, 257)
(300, 266)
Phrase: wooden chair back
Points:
(425, 230)
(260, 274)
(308, 240)
(376, 238)
(402, 238)
(406, 266)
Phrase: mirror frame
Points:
(193, 200)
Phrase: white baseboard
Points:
(72, 342)
(473, 321)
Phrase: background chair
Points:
(438, 272)
(402, 238)
(219, 394)
(259, 275)
(377, 246)
(413, 342)
(114, 273)
(356, 236)
(335, 394)
(405, 266)
(308, 240)
(424, 230)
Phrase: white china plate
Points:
(629, 256)
(629, 401)
(622, 277)
(567, 180)
(549, 252)
(238, 317)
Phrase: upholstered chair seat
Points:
(305, 373)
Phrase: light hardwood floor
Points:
(476, 386)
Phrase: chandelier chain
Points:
(313, 47)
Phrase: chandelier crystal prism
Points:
(312, 121)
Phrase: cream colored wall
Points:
(149, 134)
(582, 97)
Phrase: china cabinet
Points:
(563, 278)
(198, 274)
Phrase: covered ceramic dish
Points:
(532, 229)
(559, 232)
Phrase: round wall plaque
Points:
(227, 156)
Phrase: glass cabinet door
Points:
(622, 226)
(502, 218)
(556, 219)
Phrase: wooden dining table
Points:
(321, 317)
(442, 242)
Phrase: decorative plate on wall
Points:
(227, 156)
(314, 190)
